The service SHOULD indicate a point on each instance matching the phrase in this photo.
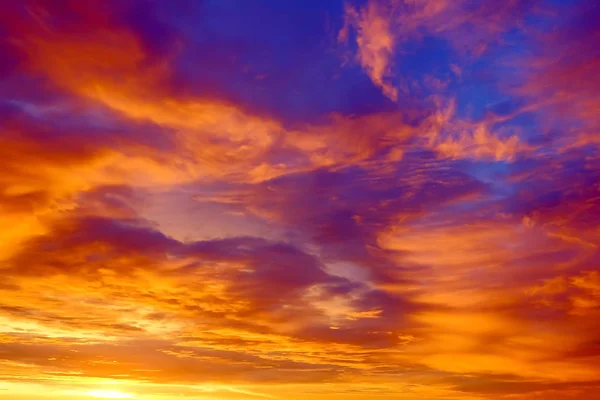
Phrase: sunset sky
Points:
(300, 199)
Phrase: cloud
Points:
(383, 28)
(375, 41)
(160, 230)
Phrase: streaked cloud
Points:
(376, 42)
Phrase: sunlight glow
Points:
(110, 394)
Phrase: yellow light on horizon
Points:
(110, 394)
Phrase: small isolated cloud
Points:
(376, 42)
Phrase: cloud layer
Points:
(390, 199)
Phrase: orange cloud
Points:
(375, 40)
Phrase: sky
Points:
(301, 199)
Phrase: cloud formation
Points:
(194, 204)
(375, 41)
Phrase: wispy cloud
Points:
(375, 40)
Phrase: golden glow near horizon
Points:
(109, 394)
(329, 200)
